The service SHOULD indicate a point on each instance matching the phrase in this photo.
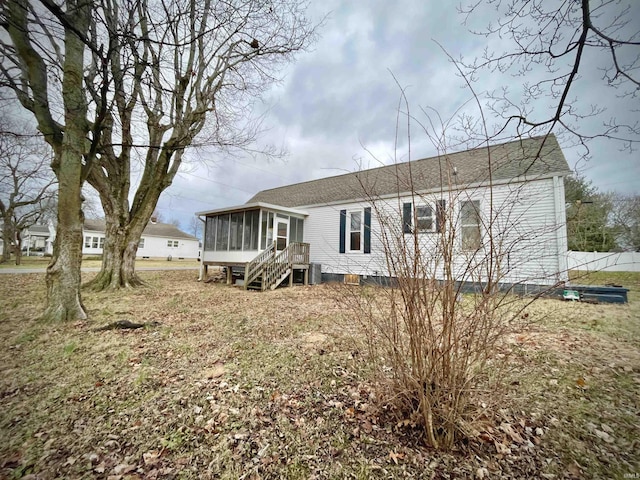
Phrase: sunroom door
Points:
(282, 233)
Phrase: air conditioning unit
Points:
(315, 274)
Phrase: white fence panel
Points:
(607, 261)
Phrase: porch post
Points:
(229, 275)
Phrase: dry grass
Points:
(237, 384)
(95, 262)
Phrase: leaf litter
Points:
(236, 384)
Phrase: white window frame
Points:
(87, 242)
(141, 243)
(349, 231)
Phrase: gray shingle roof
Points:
(166, 230)
(41, 230)
(509, 161)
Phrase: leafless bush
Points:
(436, 330)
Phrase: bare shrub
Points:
(436, 330)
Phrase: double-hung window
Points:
(470, 225)
(355, 231)
(424, 218)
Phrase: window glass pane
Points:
(424, 218)
(169, 243)
(247, 231)
(293, 227)
(141, 243)
(87, 242)
(355, 230)
(222, 233)
(94, 242)
(470, 212)
(270, 229)
(255, 219)
(356, 220)
(210, 233)
(355, 241)
(281, 243)
(101, 244)
(470, 225)
(282, 229)
(235, 237)
(300, 230)
(263, 234)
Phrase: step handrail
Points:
(254, 268)
(295, 253)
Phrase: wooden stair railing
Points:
(254, 268)
(275, 268)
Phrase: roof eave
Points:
(252, 206)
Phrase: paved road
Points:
(90, 269)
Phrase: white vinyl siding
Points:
(526, 225)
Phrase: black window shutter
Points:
(406, 217)
(343, 229)
(441, 208)
(367, 230)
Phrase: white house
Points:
(158, 240)
(36, 240)
(505, 202)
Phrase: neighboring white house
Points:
(158, 240)
(344, 223)
(36, 240)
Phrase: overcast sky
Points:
(337, 106)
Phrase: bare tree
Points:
(552, 46)
(26, 185)
(182, 72)
(196, 227)
(43, 64)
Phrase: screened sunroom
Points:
(237, 235)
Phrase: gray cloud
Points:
(341, 97)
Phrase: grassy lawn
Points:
(236, 384)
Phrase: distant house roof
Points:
(39, 230)
(509, 161)
(166, 230)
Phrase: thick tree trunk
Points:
(118, 260)
(18, 246)
(63, 273)
(6, 242)
(18, 254)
